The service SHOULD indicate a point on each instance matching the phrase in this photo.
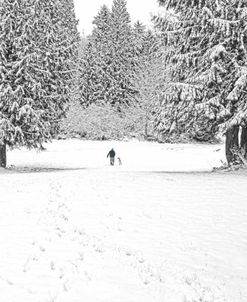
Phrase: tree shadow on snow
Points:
(184, 172)
(23, 169)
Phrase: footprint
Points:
(52, 265)
(81, 256)
(42, 248)
(66, 287)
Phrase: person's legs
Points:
(112, 161)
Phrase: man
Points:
(112, 154)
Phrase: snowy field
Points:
(159, 228)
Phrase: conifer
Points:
(109, 59)
(208, 61)
(38, 48)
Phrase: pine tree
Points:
(139, 37)
(177, 115)
(96, 61)
(37, 52)
(208, 62)
(17, 119)
(109, 60)
(123, 54)
(88, 75)
(58, 47)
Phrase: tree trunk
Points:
(3, 157)
(232, 145)
(243, 142)
(146, 126)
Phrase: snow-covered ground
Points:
(161, 227)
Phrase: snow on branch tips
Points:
(215, 52)
(208, 12)
(239, 86)
(224, 26)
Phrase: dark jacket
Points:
(111, 153)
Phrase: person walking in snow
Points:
(112, 154)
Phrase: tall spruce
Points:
(139, 36)
(208, 59)
(88, 77)
(108, 62)
(177, 110)
(123, 54)
(96, 59)
(38, 46)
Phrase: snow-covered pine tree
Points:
(122, 53)
(58, 48)
(139, 36)
(208, 62)
(70, 41)
(94, 79)
(108, 63)
(17, 119)
(145, 42)
(88, 77)
(37, 51)
(177, 115)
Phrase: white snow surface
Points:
(161, 227)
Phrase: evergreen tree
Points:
(177, 113)
(96, 60)
(123, 54)
(38, 45)
(109, 60)
(139, 37)
(208, 63)
(88, 77)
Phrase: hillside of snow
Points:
(161, 227)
